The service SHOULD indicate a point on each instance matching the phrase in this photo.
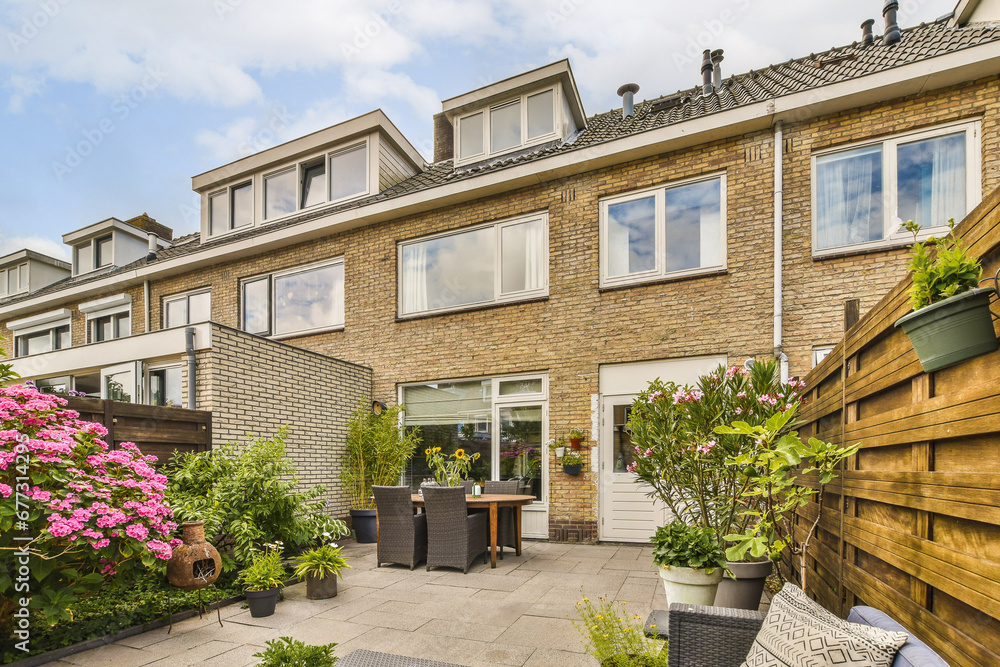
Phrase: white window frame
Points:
(893, 233)
(500, 297)
(5, 276)
(497, 402)
(147, 389)
(186, 296)
(820, 352)
(50, 327)
(90, 246)
(270, 277)
(557, 123)
(659, 271)
(228, 192)
(300, 167)
(114, 313)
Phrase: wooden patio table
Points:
(493, 501)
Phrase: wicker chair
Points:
(402, 535)
(468, 485)
(454, 537)
(711, 636)
(506, 528)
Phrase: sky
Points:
(109, 107)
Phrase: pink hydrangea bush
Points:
(686, 463)
(80, 514)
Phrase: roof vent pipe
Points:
(706, 72)
(717, 59)
(627, 93)
(151, 254)
(867, 38)
(892, 34)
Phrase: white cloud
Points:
(22, 88)
(9, 244)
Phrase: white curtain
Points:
(534, 255)
(414, 278)
(947, 181)
(844, 199)
(859, 200)
(830, 216)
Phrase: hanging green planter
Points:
(953, 330)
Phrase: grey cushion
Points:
(914, 652)
(799, 633)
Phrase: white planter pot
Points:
(560, 451)
(688, 585)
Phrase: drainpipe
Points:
(189, 352)
(145, 300)
(778, 239)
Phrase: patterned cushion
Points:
(799, 633)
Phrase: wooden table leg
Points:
(493, 534)
(517, 528)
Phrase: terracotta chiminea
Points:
(196, 563)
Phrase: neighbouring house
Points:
(546, 266)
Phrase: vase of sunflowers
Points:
(450, 469)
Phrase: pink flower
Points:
(5, 491)
(100, 544)
(631, 467)
(159, 549)
(137, 531)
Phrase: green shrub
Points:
(248, 496)
(680, 545)
(615, 638)
(951, 271)
(265, 570)
(288, 652)
(377, 452)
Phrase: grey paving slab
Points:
(518, 614)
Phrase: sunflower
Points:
(459, 454)
(437, 449)
(427, 452)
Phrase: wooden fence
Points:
(156, 430)
(913, 524)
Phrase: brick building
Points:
(545, 267)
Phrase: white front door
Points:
(121, 382)
(627, 513)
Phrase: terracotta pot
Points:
(575, 442)
(321, 588)
(196, 563)
(262, 602)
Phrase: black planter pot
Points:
(365, 528)
(953, 330)
(743, 592)
(572, 470)
(318, 588)
(262, 602)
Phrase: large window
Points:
(42, 340)
(495, 263)
(295, 301)
(190, 308)
(333, 177)
(668, 231)
(94, 254)
(523, 121)
(504, 420)
(14, 279)
(165, 386)
(863, 194)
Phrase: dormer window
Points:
(522, 121)
(94, 254)
(14, 280)
(231, 208)
(330, 178)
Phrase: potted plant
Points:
(558, 446)
(571, 463)
(772, 465)
(450, 470)
(376, 453)
(683, 460)
(288, 652)
(575, 438)
(319, 568)
(690, 562)
(615, 638)
(262, 580)
(951, 319)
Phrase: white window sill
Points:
(662, 277)
(305, 332)
(898, 240)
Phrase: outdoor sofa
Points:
(721, 637)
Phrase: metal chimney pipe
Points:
(892, 34)
(867, 38)
(706, 72)
(627, 93)
(717, 59)
(152, 246)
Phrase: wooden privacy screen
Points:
(156, 430)
(913, 525)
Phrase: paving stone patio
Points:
(518, 614)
